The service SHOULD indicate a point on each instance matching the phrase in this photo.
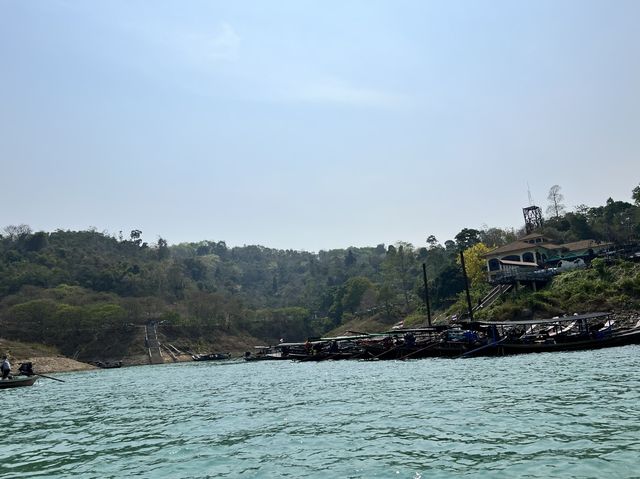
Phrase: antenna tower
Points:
(529, 193)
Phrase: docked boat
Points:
(18, 381)
(106, 364)
(468, 339)
(210, 357)
(268, 353)
(569, 333)
(441, 341)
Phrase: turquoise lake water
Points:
(560, 415)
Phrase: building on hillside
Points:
(535, 251)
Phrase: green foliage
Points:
(475, 263)
(476, 293)
(415, 319)
(635, 195)
(283, 323)
(354, 291)
(467, 238)
(600, 288)
(75, 288)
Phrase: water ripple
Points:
(546, 415)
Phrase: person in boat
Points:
(409, 339)
(26, 369)
(333, 347)
(307, 347)
(6, 367)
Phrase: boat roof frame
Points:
(563, 319)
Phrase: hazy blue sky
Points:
(313, 125)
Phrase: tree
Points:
(163, 248)
(582, 210)
(475, 264)
(447, 284)
(386, 296)
(556, 208)
(16, 232)
(36, 241)
(450, 245)
(354, 291)
(350, 259)
(579, 226)
(467, 238)
(635, 195)
(399, 268)
(495, 237)
(135, 236)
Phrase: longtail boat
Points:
(429, 342)
(464, 339)
(265, 353)
(568, 333)
(17, 382)
(210, 357)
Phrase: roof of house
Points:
(531, 236)
(584, 244)
(520, 245)
(511, 248)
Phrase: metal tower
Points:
(532, 218)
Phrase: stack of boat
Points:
(577, 332)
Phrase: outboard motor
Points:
(26, 369)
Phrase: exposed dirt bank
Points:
(56, 364)
(45, 359)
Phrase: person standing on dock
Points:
(6, 367)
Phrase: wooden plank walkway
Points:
(152, 343)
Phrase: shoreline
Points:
(53, 364)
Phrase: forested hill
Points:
(79, 289)
(90, 283)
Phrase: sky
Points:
(313, 125)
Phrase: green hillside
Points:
(90, 294)
(605, 286)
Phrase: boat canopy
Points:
(577, 317)
(315, 341)
(430, 329)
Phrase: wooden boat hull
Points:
(267, 357)
(441, 349)
(107, 365)
(326, 356)
(620, 339)
(211, 357)
(17, 382)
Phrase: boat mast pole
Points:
(466, 284)
(426, 292)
